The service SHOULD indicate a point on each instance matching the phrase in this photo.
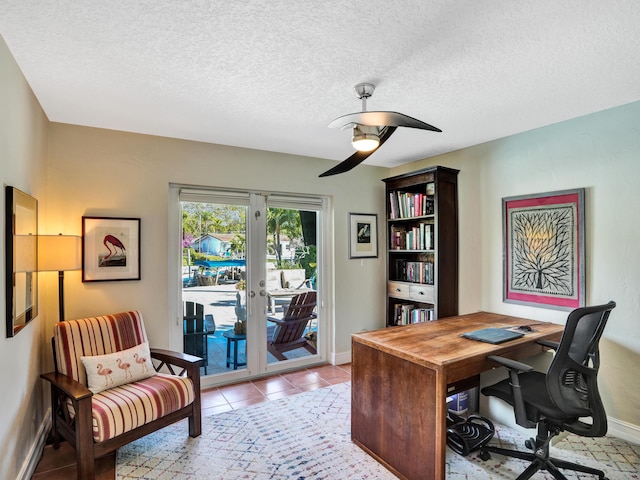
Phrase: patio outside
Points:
(220, 301)
(214, 272)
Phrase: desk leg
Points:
(398, 413)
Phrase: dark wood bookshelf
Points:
(422, 244)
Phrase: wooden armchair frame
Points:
(75, 424)
(78, 429)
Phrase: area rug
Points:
(307, 436)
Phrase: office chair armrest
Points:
(516, 368)
(548, 343)
(511, 364)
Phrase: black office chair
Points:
(556, 401)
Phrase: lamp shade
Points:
(59, 253)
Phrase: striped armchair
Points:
(97, 424)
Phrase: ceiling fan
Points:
(370, 129)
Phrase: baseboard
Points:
(340, 358)
(624, 430)
(31, 462)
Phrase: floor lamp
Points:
(59, 253)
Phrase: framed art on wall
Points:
(21, 257)
(110, 249)
(363, 235)
(544, 252)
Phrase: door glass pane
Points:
(214, 284)
(291, 284)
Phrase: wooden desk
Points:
(399, 382)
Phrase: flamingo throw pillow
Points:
(114, 369)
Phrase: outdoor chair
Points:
(106, 392)
(197, 328)
(288, 333)
(566, 398)
(284, 284)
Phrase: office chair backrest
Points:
(572, 376)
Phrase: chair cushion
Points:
(118, 368)
(537, 401)
(129, 406)
(95, 336)
(294, 278)
(274, 279)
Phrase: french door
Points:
(244, 257)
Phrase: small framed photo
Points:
(110, 249)
(544, 249)
(363, 235)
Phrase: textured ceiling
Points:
(272, 74)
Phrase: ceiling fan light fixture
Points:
(365, 139)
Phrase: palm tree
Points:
(238, 245)
(283, 221)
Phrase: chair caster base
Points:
(484, 455)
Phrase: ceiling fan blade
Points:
(381, 118)
(358, 157)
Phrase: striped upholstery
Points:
(126, 407)
(95, 336)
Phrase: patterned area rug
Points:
(307, 436)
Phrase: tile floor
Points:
(60, 464)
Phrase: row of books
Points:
(416, 272)
(408, 204)
(406, 314)
(418, 237)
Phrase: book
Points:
(402, 313)
(410, 204)
(415, 272)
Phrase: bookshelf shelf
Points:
(410, 219)
(422, 245)
(411, 251)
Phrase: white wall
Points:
(600, 152)
(23, 142)
(109, 173)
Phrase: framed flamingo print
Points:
(110, 249)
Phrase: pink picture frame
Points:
(544, 249)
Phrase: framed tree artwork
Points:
(110, 249)
(544, 249)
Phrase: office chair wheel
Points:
(484, 455)
(530, 444)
